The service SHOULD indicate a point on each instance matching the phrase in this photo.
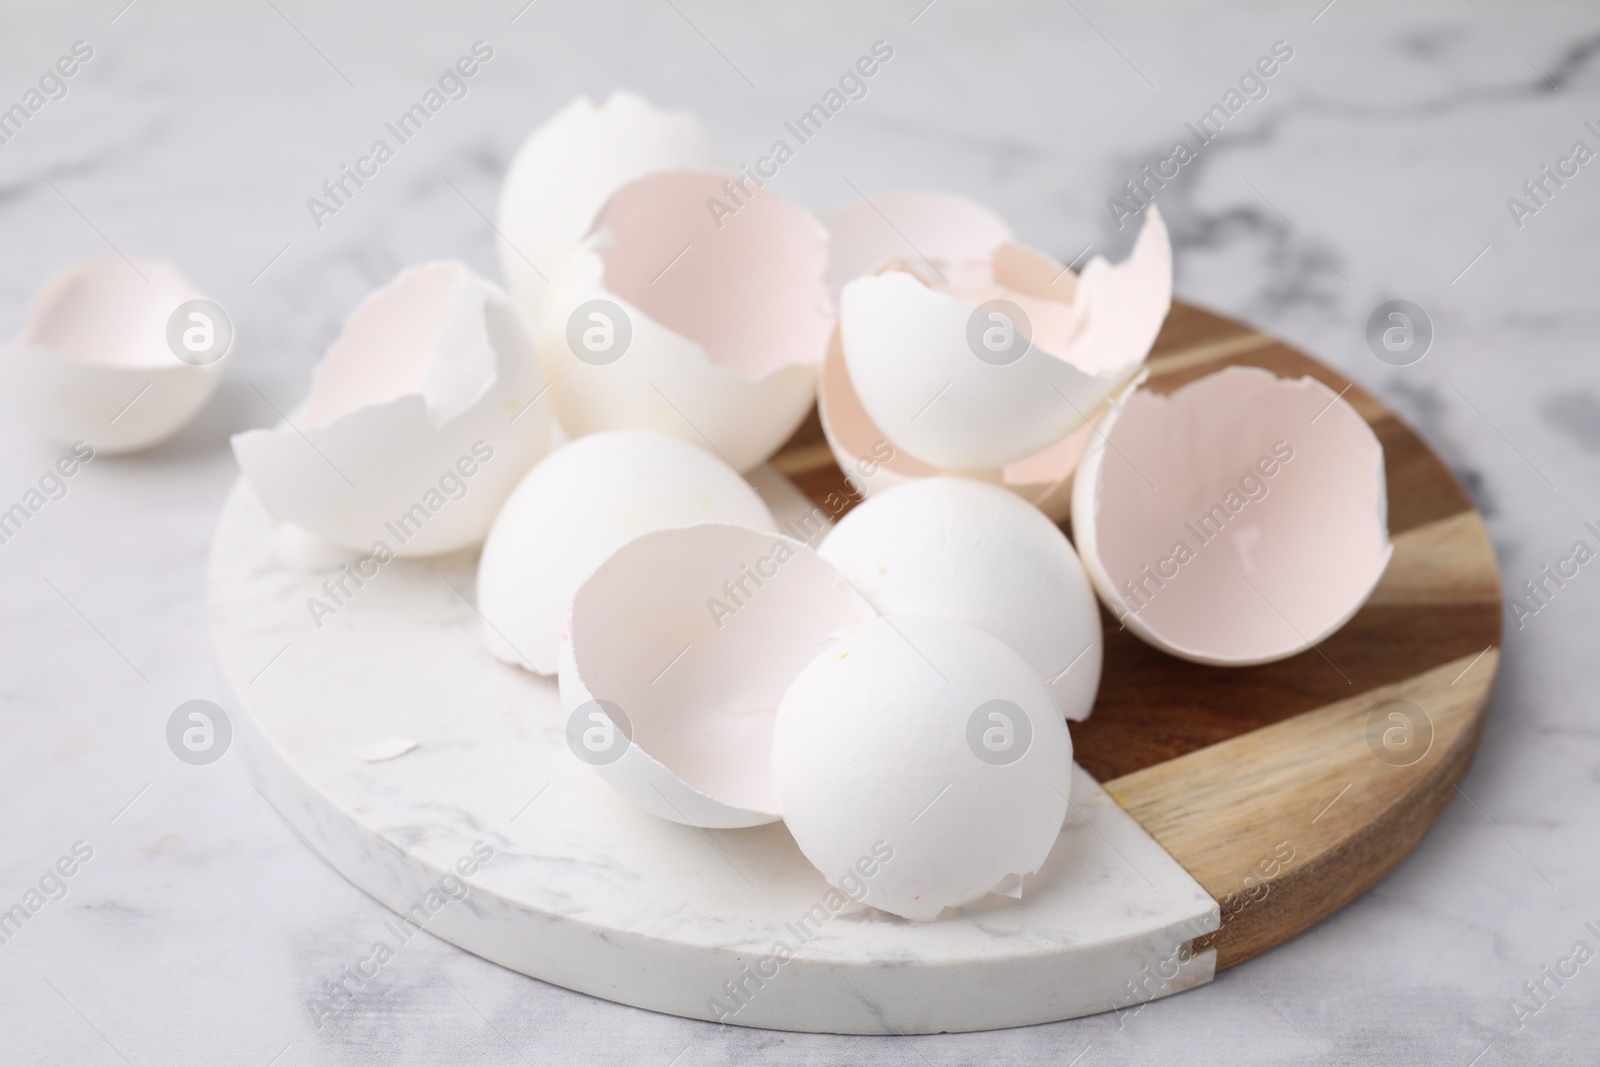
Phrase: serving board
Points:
(1234, 769)
(1237, 807)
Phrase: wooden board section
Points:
(1262, 781)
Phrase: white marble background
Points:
(1381, 162)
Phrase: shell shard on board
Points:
(427, 409)
(687, 639)
(1240, 520)
(672, 317)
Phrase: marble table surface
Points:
(1377, 166)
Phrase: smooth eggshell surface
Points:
(945, 233)
(919, 360)
(574, 509)
(919, 762)
(570, 166)
(1240, 520)
(695, 633)
(706, 326)
(425, 412)
(92, 362)
(953, 548)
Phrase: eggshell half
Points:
(570, 166)
(727, 317)
(423, 415)
(953, 548)
(92, 361)
(1240, 520)
(675, 630)
(913, 351)
(946, 233)
(874, 464)
(574, 509)
(876, 758)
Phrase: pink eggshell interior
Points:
(104, 313)
(1275, 487)
(746, 286)
(387, 346)
(701, 686)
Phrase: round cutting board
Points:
(1214, 812)
(1288, 789)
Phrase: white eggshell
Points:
(953, 548)
(944, 233)
(570, 166)
(423, 415)
(873, 463)
(1269, 563)
(726, 317)
(877, 750)
(92, 361)
(918, 375)
(574, 509)
(674, 630)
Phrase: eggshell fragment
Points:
(966, 387)
(874, 464)
(953, 548)
(672, 317)
(570, 166)
(92, 362)
(1240, 520)
(946, 234)
(695, 633)
(423, 415)
(574, 509)
(926, 752)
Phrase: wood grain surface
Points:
(1272, 785)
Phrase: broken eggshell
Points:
(873, 464)
(93, 362)
(946, 233)
(707, 326)
(961, 383)
(695, 633)
(954, 548)
(567, 169)
(575, 508)
(422, 416)
(930, 747)
(1240, 520)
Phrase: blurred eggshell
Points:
(574, 509)
(1240, 520)
(710, 327)
(945, 233)
(915, 353)
(423, 415)
(873, 464)
(92, 362)
(953, 548)
(695, 633)
(567, 169)
(926, 752)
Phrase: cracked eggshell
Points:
(92, 362)
(1238, 521)
(675, 630)
(722, 319)
(422, 416)
(952, 232)
(580, 504)
(567, 169)
(913, 351)
(873, 464)
(953, 548)
(876, 761)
